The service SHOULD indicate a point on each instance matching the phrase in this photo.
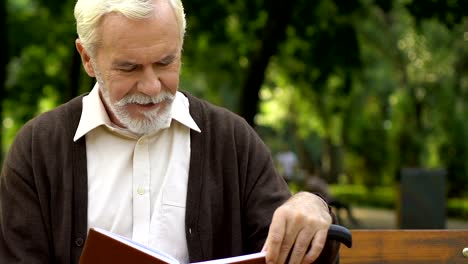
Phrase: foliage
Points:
(358, 88)
(458, 208)
(386, 197)
(383, 110)
(379, 196)
(39, 60)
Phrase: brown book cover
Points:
(104, 247)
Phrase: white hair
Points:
(88, 14)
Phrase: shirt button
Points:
(141, 190)
(79, 241)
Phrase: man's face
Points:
(137, 65)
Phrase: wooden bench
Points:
(406, 246)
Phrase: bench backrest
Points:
(406, 246)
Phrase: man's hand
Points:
(299, 226)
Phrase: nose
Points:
(149, 83)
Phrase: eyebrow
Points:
(123, 63)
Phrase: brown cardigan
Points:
(233, 189)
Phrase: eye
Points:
(163, 63)
(166, 61)
(127, 68)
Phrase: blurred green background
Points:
(358, 89)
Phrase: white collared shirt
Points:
(137, 186)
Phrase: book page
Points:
(255, 258)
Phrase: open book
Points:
(104, 247)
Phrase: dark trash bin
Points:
(422, 201)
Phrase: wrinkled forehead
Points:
(139, 40)
(161, 24)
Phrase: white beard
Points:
(151, 121)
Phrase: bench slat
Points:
(406, 246)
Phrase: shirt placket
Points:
(141, 192)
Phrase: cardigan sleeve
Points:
(23, 238)
(266, 190)
(43, 191)
(268, 194)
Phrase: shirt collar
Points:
(94, 114)
(180, 112)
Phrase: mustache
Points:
(144, 99)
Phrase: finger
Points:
(292, 230)
(275, 238)
(318, 243)
(301, 246)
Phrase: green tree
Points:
(3, 63)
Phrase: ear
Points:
(85, 58)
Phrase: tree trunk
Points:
(273, 34)
(74, 76)
(3, 69)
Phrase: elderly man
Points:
(139, 158)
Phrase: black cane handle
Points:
(340, 234)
